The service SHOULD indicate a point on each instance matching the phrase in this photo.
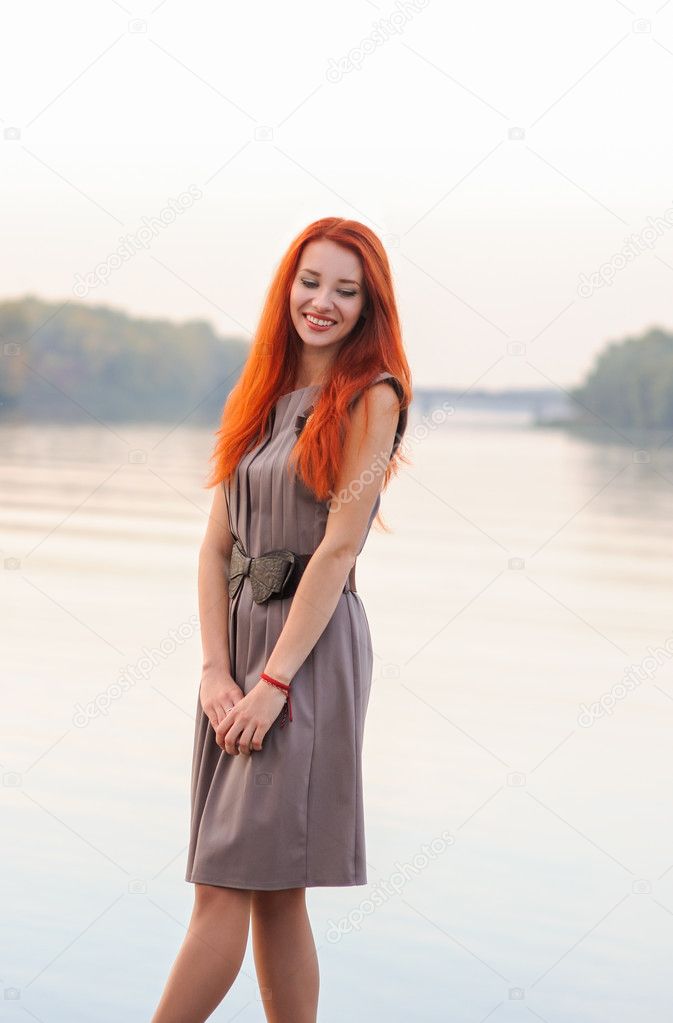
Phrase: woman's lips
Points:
(319, 329)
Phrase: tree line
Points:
(631, 383)
(71, 362)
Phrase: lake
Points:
(517, 769)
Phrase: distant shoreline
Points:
(73, 363)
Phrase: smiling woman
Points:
(321, 408)
(319, 302)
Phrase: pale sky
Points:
(395, 114)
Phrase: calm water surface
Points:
(519, 845)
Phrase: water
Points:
(519, 853)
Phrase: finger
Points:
(245, 740)
(258, 738)
(231, 738)
(222, 711)
(225, 723)
(221, 731)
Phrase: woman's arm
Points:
(367, 447)
(218, 689)
(214, 558)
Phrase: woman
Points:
(300, 464)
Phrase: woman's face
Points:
(328, 288)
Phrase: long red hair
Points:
(374, 345)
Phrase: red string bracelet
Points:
(286, 689)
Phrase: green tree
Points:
(631, 383)
(69, 361)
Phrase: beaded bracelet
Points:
(286, 689)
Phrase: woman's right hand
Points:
(218, 694)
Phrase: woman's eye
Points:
(314, 284)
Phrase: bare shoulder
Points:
(373, 421)
(380, 398)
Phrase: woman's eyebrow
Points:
(342, 280)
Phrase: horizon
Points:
(240, 338)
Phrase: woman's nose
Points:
(322, 302)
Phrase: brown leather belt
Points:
(274, 574)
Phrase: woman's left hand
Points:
(248, 721)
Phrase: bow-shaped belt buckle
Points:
(270, 574)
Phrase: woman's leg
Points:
(210, 956)
(285, 956)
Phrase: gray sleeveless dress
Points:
(291, 814)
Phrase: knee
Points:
(274, 903)
(209, 898)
